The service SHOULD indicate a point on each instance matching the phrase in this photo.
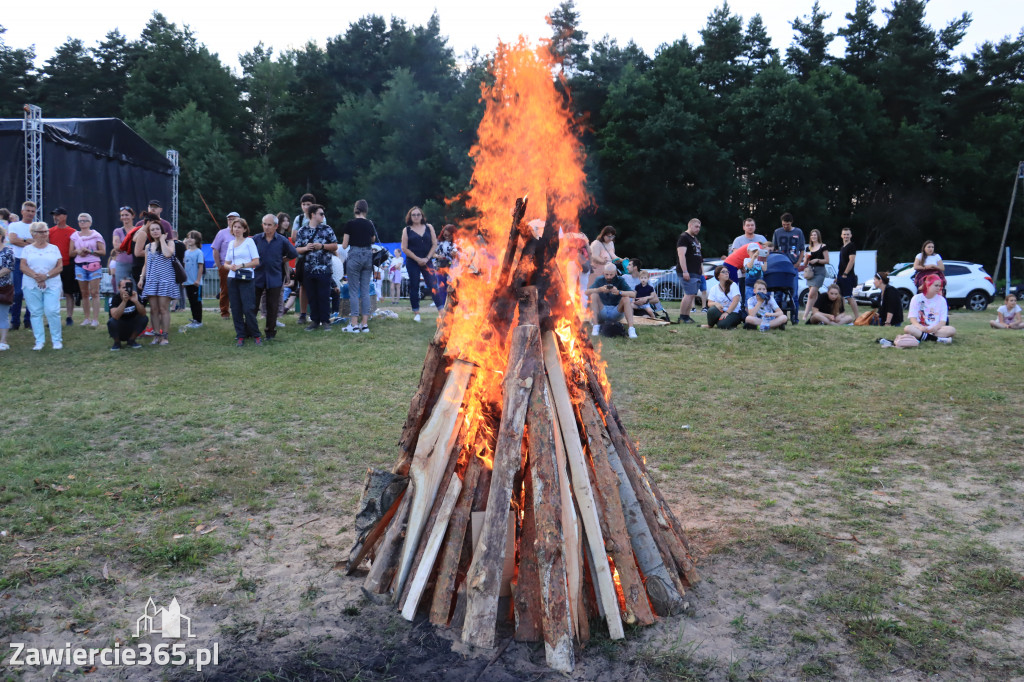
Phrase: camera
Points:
(129, 287)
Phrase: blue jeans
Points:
(45, 302)
(359, 268)
(19, 296)
(415, 270)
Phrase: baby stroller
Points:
(782, 280)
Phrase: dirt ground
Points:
(282, 608)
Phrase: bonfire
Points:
(516, 477)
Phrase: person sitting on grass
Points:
(762, 311)
(646, 301)
(127, 315)
(1010, 316)
(828, 309)
(928, 318)
(609, 299)
(724, 301)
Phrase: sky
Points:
(232, 27)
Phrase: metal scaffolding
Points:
(33, 127)
(172, 156)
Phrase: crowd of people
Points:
(305, 261)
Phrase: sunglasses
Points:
(125, 208)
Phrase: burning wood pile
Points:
(560, 502)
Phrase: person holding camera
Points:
(762, 311)
(127, 317)
(611, 299)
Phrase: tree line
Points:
(898, 138)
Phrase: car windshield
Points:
(905, 272)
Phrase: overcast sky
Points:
(231, 27)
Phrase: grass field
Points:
(857, 511)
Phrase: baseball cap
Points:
(234, 214)
(154, 202)
(59, 211)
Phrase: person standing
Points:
(88, 249)
(158, 282)
(156, 209)
(122, 261)
(241, 258)
(194, 268)
(444, 258)
(6, 280)
(316, 241)
(19, 235)
(790, 241)
(816, 259)
(419, 243)
(689, 266)
(301, 220)
(748, 237)
(847, 278)
(60, 236)
(219, 243)
(41, 264)
(274, 252)
(358, 236)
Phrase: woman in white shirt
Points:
(928, 263)
(41, 263)
(724, 310)
(241, 257)
(928, 317)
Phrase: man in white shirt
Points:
(20, 236)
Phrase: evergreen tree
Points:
(568, 42)
(809, 50)
(17, 78)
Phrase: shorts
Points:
(83, 275)
(68, 281)
(609, 313)
(695, 284)
(846, 284)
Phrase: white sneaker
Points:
(58, 345)
(631, 333)
(944, 339)
(350, 329)
(38, 346)
(95, 323)
(596, 330)
(4, 346)
(416, 317)
(85, 323)
(364, 330)
(280, 324)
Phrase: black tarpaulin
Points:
(90, 165)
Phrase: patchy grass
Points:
(855, 509)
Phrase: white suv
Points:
(967, 284)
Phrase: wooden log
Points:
(431, 547)
(570, 527)
(605, 586)
(432, 380)
(658, 514)
(527, 588)
(448, 568)
(364, 547)
(484, 578)
(434, 444)
(617, 539)
(387, 553)
(545, 485)
(435, 510)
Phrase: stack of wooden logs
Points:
(592, 536)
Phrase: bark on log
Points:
(431, 547)
(571, 531)
(527, 600)
(658, 514)
(605, 586)
(434, 443)
(545, 480)
(617, 539)
(435, 510)
(432, 379)
(484, 578)
(448, 568)
(387, 554)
